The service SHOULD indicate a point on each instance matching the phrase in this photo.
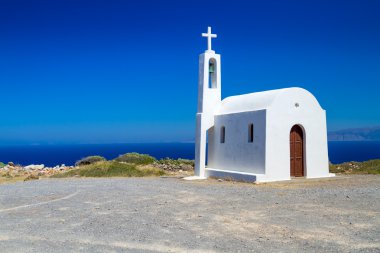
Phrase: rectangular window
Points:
(250, 133)
(222, 134)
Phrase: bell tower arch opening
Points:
(212, 83)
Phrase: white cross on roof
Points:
(209, 36)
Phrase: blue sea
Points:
(52, 155)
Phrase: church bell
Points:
(211, 67)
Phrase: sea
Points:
(52, 155)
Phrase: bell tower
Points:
(209, 97)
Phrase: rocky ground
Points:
(100, 167)
(179, 167)
(15, 172)
(11, 172)
(339, 214)
(366, 167)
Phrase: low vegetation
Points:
(111, 169)
(90, 160)
(179, 161)
(32, 177)
(11, 177)
(128, 165)
(367, 167)
(172, 165)
(143, 165)
(136, 158)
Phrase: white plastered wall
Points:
(296, 107)
(236, 153)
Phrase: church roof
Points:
(261, 100)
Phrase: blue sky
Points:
(126, 71)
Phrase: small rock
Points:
(220, 180)
(34, 167)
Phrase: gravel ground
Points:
(171, 215)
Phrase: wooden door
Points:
(296, 152)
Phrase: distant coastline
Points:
(355, 134)
(68, 154)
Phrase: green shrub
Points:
(110, 169)
(177, 162)
(367, 167)
(2, 165)
(136, 158)
(90, 160)
(168, 164)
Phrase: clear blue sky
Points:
(126, 71)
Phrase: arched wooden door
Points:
(296, 152)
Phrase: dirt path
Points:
(172, 215)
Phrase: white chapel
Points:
(261, 137)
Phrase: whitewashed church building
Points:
(264, 136)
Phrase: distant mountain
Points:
(356, 134)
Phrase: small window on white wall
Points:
(222, 134)
(250, 133)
